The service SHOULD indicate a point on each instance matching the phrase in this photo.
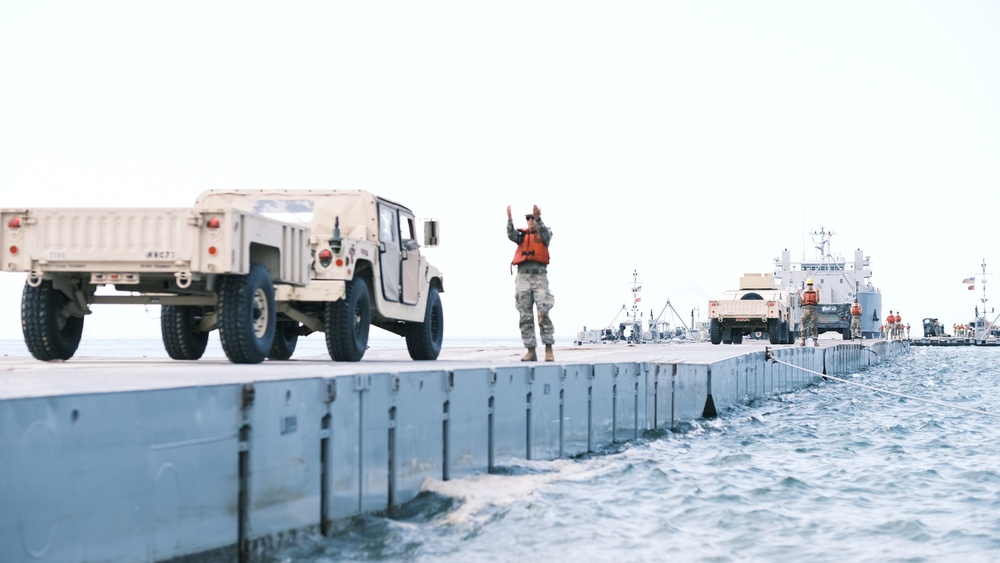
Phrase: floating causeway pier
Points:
(156, 460)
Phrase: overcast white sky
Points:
(691, 141)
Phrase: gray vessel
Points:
(838, 282)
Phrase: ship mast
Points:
(981, 328)
(983, 278)
(824, 244)
(636, 289)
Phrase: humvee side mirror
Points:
(430, 232)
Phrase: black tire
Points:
(727, 335)
(423, 340)
(247, 316)
(737, 336)
(774, 331)
(846, 333)
(50, 332)
(348, 321)
(714, 331)
(286, 336)
(179, 331)
(786, 334)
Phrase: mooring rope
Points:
(771, 357)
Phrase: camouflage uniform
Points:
(855, 327)
(531, 290)
(809, 322)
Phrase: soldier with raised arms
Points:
(531, 286)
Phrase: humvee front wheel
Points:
(423, 340)
(247, 315)
(348, 321)
(50, 331)
(179, 331)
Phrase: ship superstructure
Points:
(838, 282)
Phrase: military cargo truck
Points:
(756, 306)
(262, 266)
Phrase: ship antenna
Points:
(984, 299)
(636, 288)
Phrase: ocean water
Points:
(832, 472)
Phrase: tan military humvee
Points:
(262, 266)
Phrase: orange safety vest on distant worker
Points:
(810, 297)
(531, 248)
(856, 310)
(898, 319)
(890, 319)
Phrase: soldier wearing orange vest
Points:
(531, 287)
(856, 320)
(890, 325)
(898, 321)
(809, 299)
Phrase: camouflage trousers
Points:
(531, 290)
(855, 326)
(809, 321)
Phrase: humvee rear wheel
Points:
(774, 330)
(247, 315)
(423, 340)
(348, 321)
(179, 331)
(714, 331)
(727, 335)
(51, 332)
(286, 336)
(737, 336)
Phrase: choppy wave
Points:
(832, 472)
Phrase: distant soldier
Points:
(898, 323)
(890, 326)
(531, 287)
(856, 320)
(809, 299)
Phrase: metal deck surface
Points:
(22, 377)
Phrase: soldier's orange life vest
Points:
(898, 319)
(890, 319)
(531, 248)
(810, 297)
(856, 310)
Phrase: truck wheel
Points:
(774, 331)
(247, 316)
(727, 335)
(846, 333)
(737, 336)
(179, 331)
(423, 340)
(348, 322)
(286, 336)
(50, 332)
(714, 331)
(786, 334)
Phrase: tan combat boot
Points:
(548, 353)
(530, 356)
(803, 342)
